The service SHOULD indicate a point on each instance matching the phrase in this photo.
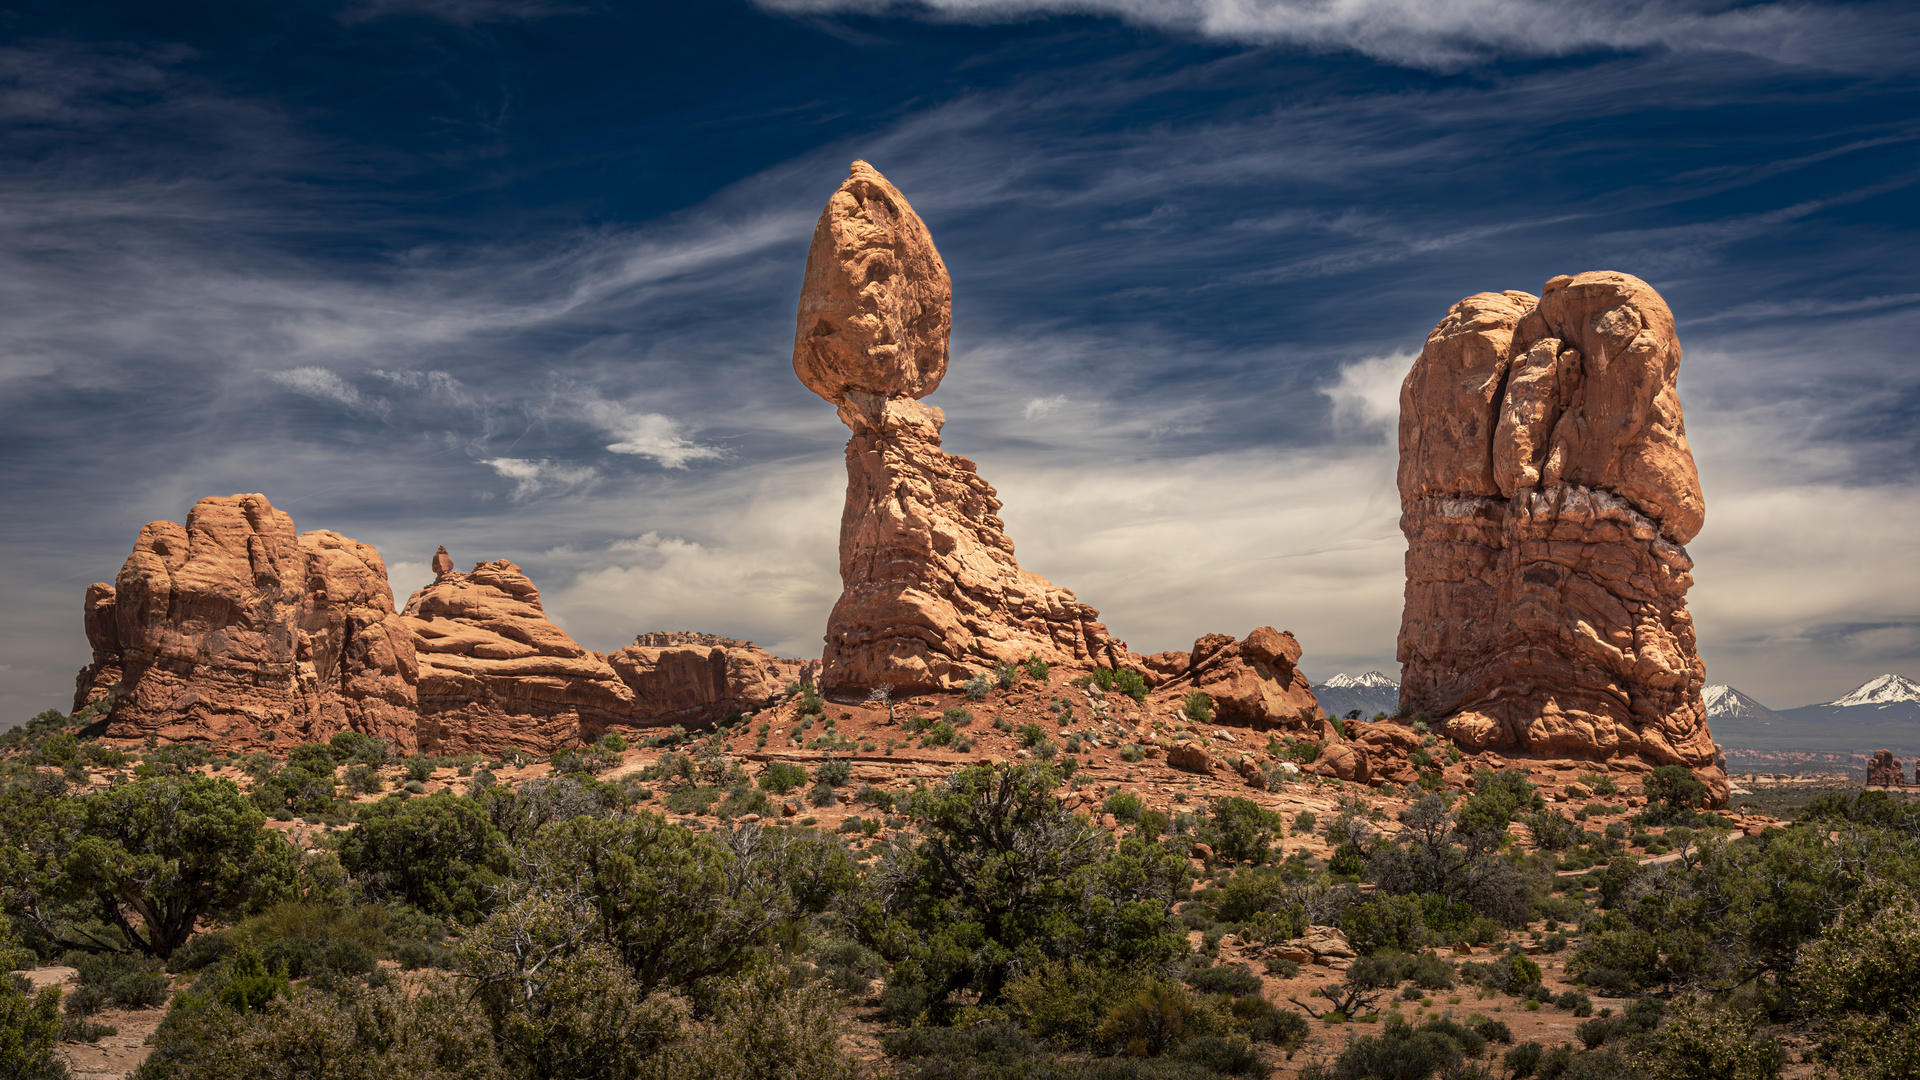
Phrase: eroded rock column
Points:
(1547, 492)
(931, 592)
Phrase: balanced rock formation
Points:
(691, 678)
(1547, 491)
(1885, 770)
(932, 593)
(495, 673)
(234, 628)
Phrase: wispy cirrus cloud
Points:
(1448, 34)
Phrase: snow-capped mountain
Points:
(1371, 693)
(1726, 703)
(1884, 711)
(1344, 681)
(1880, 690)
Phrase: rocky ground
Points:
(1117, 745)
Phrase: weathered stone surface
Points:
(1344, 761)
(495, 673)
(1546, 491)
(877, 303)
(1252, 682)
(691, 678)
(1188, 757)
(932, 593)
(232, 628)
(1885, 770)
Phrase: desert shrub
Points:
(1132, 754)
(1240, 830)
(782, 777)
(1385, 923)
(989, 1051)
(1304, 822)
(1523, 1061)
(833, 772)
(1641, 1017)
(1232, 980)
(1031, 734)
(414, 955)
(1038, 668)
(1198, 707)
(29, 1031)
(1004, 674)
(1302, 751)
(1225, 1055)
(440, 854)
(133, 982)
(1672, 794)
(1124, 806)
(353, 747)
(200, 951)
(978, 686)
(1399, 1052)
(1600, 784)
(1155, 1018)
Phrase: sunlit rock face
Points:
(931, 592)
(1547, 492)
(496, 673)
(233, 628)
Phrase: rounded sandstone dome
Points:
(877, 304)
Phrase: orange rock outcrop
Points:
(932, 593)
(691, 678)
(496, 673)
(1547, 492)
(232, 628)
(1252, 682)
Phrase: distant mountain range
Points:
(1371, 693)
(1883, 711)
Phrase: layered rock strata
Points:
(931, 592)
(234, 628)
(1547, 492)
(495, 672)
(1885, 770)
(692, 678)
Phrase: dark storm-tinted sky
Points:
(519, 278)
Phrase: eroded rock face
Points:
(1885, 770)
(496, 673)
(1252, 682)
(232, 628)
(931, 591)
(692, 678)
(1547, 491)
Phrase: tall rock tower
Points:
(931, 592)
(1546, 492)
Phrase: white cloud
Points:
(318, 382)
(754, 555)
(540, 477)
(1367, 396)
(658, 437)
(1430, 33)
(1039, 408)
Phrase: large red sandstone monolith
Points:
(1547, 491)
(234, 629)
(931, 593)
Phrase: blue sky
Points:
(519, 277)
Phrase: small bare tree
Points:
(881, 695)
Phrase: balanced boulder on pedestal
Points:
(931, 592)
